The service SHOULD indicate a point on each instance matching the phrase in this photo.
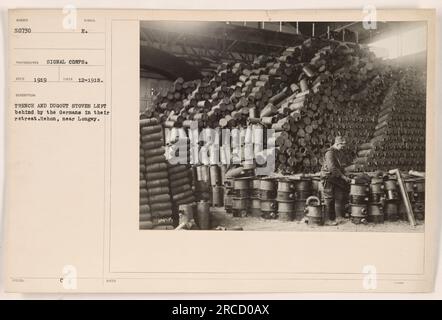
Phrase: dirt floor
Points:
(222, 219)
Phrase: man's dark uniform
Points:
(334, 183)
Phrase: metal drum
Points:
(256, 184)
(217, 196)
(375, 213)
(222, 172)
(419, 186)
(303, 185)
(285, 185)
(255, 207)
(268, 185)
(357, 189)
(267, 194)
(241, 184)
(285, 196)
(269, 209)
(391, 189)
(285, 210)
(359, 193)
(377, 188)
(203, 216)
(358, 199)
(376, 197)
(418, 197)
(313, 211)
(358, 213)
(241, 187)
(409, 188)
(391, 210)
(203, 173)
(240, 206)
(215, 175)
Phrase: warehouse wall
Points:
(396, 43)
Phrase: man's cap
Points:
(340, 139)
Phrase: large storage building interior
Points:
(275, 95)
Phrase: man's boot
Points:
(329, 208)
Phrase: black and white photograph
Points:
(283, 126)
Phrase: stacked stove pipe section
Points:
(399, 137)
(415, 188)
(157, 194)
(145, 212)
(179, 171)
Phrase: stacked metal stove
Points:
(359, 191)
(303, 188)
(267, 195)
(241, 196)
(416, 193)
(286, 199)
(255, 201)
(375, 207)
(380, 200)
(392, 199)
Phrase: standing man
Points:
(334, 182)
